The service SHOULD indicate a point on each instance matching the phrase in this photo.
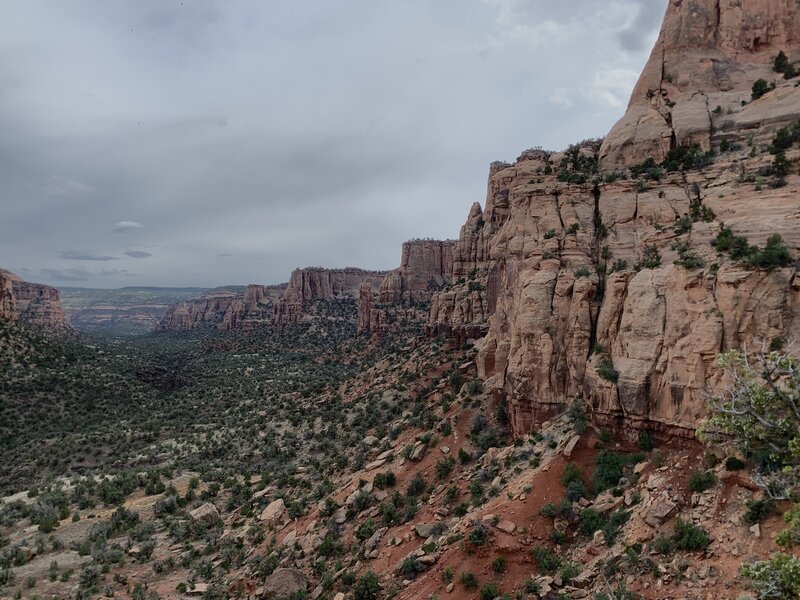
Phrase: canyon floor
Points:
(310, 462)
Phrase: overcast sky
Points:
(211, 142)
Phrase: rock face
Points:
(606, 285)
(405, 293)
(211, 308)
(708, 55)
(553, 286)
(315, 284)
(30, 303)
(224, 309)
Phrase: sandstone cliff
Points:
(708, 55)
(224, 309)
(319, 284)
(405, 293)
(562, 300)
(30, 303)
(589, 276)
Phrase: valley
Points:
(591, 393)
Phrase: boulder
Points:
(207, 513)
(274, 513)
(284, 583)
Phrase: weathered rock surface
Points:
(33, 304)
(285, 583)
(405, 293)
(708, 55)
(315, 284)
(542, 285)
(225, 309)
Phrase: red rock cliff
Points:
(708, 55)
(316, 283)
(30, 303)
(611, 290)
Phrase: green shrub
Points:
(606, 370)
(416, 487)
(478, 535)
(646, 443)
(576, 490)
(468, 580)
(447, 574)
(781, 62)
(411, 567)
(608, 471)
(651, 258)
(690, 537)
(761, 87)
(499, 564)
(367, 588)
(366, 529)
(663, 545)
(490, 591)
(582, 272)
(779, 577)
(700, 481)
(570, 473)
(734, 464)
(545, 560)
(774, 255)
(615, 522)
(591, 520)
(684, 158)
(444, 467)
(759, 510)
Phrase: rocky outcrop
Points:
(405, 293)
(318, 284)
(700, 73)
(30, 303)
(255, 308)
(224, 309)
(209, 309)
(558, 281)
(604, 284)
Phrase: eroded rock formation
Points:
(30, 303)
(318, 284)
(224, 309)
(708, 55)
(404, 295)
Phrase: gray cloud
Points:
(66, 274)
(58, 185)
(124, 226)
(83, 255)
(137, 254)
(638, 35)
(285, 134)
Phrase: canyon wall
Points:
(318, 284)
(404, 295)
(30, 303)
(224, 309)
(604, 283)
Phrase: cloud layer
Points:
(231, 142)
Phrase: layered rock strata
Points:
(310, 285)
(224, 309)
(33, 304)
(404, 295)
